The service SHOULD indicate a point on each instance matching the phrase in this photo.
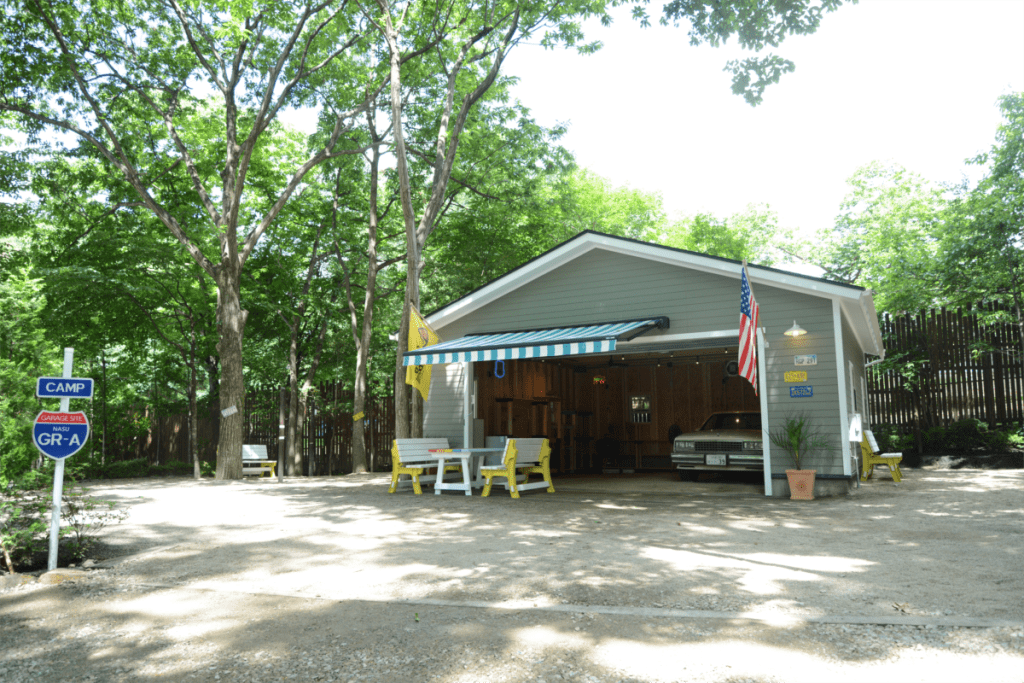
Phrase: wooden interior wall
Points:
(550, 399)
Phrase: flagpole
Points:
(766, 442)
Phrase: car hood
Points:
(722, 435)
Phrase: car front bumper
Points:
(721, 462)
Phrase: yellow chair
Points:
(871, 456)
(543, 467)
(507, 469)
(397, 468)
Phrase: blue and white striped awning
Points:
(547, 343)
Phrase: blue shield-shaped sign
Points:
(59, 435)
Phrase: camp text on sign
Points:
(64, 387)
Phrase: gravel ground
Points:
(610, 580)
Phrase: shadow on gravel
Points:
(345, 537)
(330, 545)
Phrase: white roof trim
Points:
(852, 298)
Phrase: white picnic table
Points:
(471, 459)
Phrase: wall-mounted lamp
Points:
(795, 331)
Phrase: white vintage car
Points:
(726, 442)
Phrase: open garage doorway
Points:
(610, 413)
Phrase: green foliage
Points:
(798, 438)
(970, 435)
(886, 238)
(890, 440)
(962, 437)
(25, 512)
(25, 355)
(172, 469)
(756, 25)
(133, 469)
(753, 234)
(126, 469)
(587, 201)
(981, 256)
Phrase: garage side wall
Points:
(856, 390)
(442, 412)
(604, 286)
(779, 309)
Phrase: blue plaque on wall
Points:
(801, 392)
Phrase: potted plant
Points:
(798, 438)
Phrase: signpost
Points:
(60, 435)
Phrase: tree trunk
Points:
(362, 340)
(300, 424)
(193, 423)
(447, 143)
(293, 455)
(416, 418)
(103, 449)
(359, 408)
(231, 322)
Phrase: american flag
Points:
(748, 330)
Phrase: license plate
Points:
(716, 459)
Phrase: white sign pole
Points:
(58, 473)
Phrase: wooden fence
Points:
(951, 365)
(326, 436)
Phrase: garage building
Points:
(610, 346)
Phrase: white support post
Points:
(844, 417)
(58, 474)
(467, 405)
(766, 442)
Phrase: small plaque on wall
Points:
(812, 359)
(796, 376)
(801, 392)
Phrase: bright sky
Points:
(909, 81)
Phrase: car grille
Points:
(719, 446)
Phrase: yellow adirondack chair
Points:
(871, 456)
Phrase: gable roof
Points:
(857, 303)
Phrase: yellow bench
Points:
(255, 461)
(413, 457)
(522, 458)
(872, 457)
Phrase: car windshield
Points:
(733, 421)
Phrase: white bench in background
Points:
(255, 461)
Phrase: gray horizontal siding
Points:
(603, 286)
(443, 413)
(779, 309)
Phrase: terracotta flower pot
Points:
(801, 484)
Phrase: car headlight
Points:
(751, 445)
(685, 446)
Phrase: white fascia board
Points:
(844, 417)
(864, 323)
(867, 306)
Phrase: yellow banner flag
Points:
(420, 335)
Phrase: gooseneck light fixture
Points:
(795, 331)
